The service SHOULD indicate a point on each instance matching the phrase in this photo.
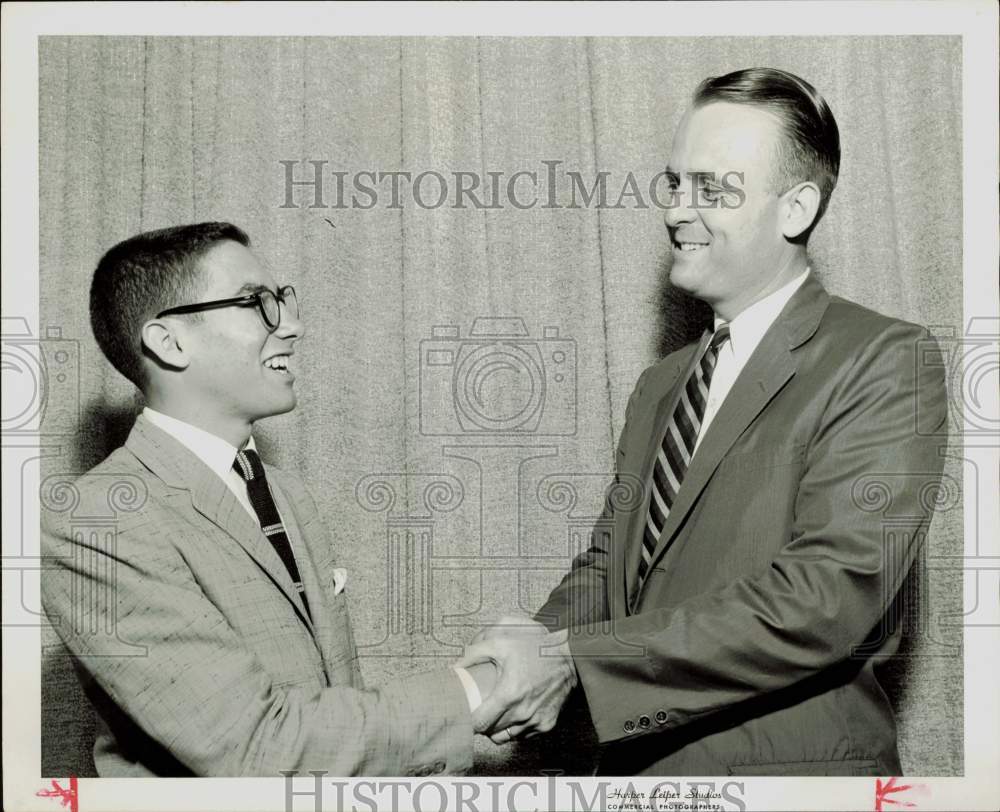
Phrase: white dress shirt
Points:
(745, 333)
(211, 449)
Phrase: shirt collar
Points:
(211, 449)
(748, 328)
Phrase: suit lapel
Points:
(768, 369)
(172, 462)
(647, 424)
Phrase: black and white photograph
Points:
(501, 406)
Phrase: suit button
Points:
(660, 716)
(629, 726)
(644, 722)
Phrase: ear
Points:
(165, 344)
(800, 204)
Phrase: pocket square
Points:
(339, 580)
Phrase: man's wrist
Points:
(478, 681)
(472, 693)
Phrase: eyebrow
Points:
(251, 287)
(703, 175)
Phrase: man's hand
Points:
(535, 674)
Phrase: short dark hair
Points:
(143, 275)
(810, 149)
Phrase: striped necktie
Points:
(674, 453)
(249, 466)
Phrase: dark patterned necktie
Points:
(674, 454)
(249, 466)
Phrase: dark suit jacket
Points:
(751, 646)
(195, 647)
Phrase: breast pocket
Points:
(749, 507)
(759, 486)
(764, 457)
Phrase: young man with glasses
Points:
(231, 651)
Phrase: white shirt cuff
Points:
(472, 693)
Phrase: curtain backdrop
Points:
(442, 506)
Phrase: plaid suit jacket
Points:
(196, 650)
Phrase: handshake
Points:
(532, 673)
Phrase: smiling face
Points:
(727, 252)
(238, 371)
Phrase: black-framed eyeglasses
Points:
(267, 302)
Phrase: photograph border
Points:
(24, 23)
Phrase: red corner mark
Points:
(67, 797)
(883, 791)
